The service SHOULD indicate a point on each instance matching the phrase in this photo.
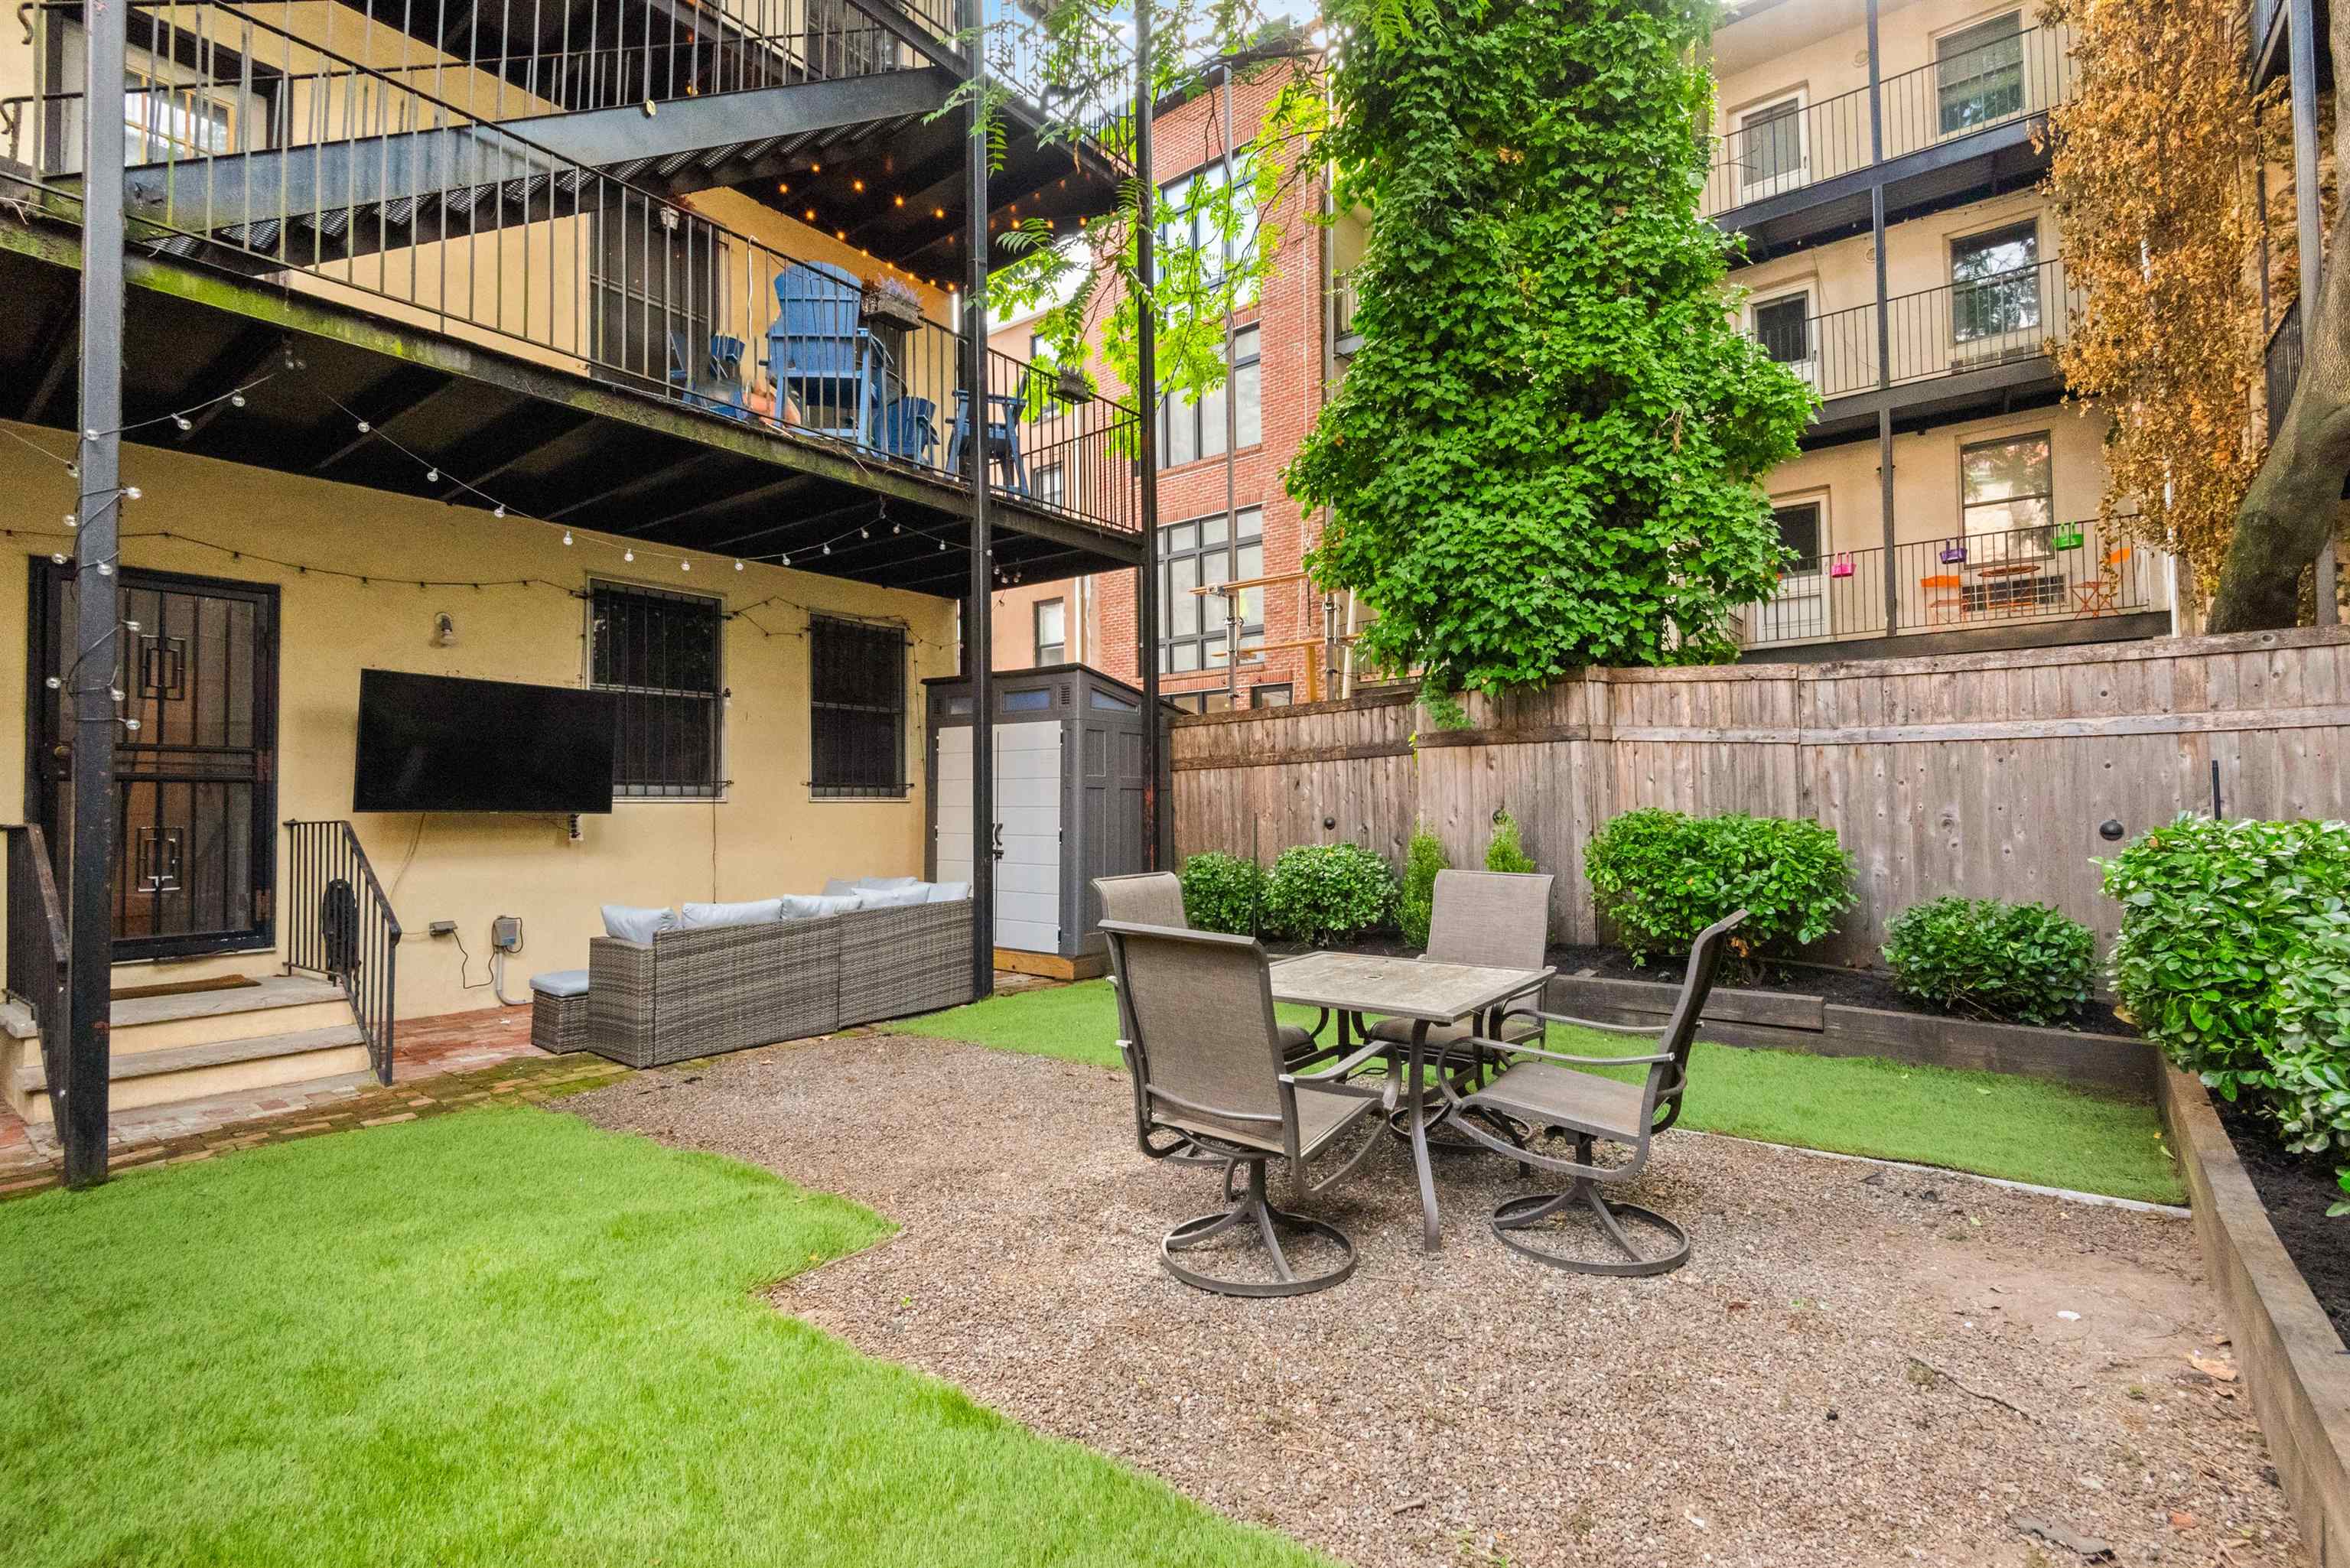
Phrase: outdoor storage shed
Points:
(1068, 805)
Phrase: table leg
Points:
(1429, 1241)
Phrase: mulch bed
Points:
(2296, 1191)
(1845, 987)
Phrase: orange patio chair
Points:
(1945, 596)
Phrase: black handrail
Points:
(38, 955)
(340, 926)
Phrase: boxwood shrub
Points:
(1507, 852)
(1222, 893)
(1327, 892)
(2023, 962)
(1663, 877)
(1416, 906)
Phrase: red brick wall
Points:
(1289, 316)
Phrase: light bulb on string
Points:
(182, 421)
(627, 554)
(787, 560)
(499, 510)
(237, 399)
(738, 565)
(685, 566)
(72, 521)
(363, 427)
(566, 538)
(431, 477)
(131, 493)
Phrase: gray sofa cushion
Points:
(948, 892)
(817, 906)
(887, 884)
(560, 983)
(756, 912)
(896, 898)
(627, 923)
(840, 888)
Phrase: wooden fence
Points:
(1988, 774)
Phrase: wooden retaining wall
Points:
(1988, 774)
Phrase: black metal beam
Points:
(653, 479)
(1156, 849)
(244, 359)
(520, 436)
(60, 350)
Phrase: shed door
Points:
(1027, 829)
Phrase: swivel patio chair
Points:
(1545, 1089)
(1497, 919)
(1206, 1057)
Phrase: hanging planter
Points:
(2067, 539)
(1069, 386)
(1952, 555)
(1841, 567)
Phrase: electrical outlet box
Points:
(441, 929)
(505, 934)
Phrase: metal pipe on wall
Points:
(1146, 402)
(979, 633)
(1884, 320)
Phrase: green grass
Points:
(503, 1337)
(2026, 1129)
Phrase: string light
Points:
(857, 185)
(627, 554)
(566, 538)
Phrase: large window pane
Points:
(1784, 328)
(659, 652)
(857, 682)
(1771, 143)
(2007, 485)
(1995, 284)
(1247, 387)
(1978, 73)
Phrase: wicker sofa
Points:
(697, 992)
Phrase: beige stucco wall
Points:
(1926, 476)
(1842, 275)
(766, 837)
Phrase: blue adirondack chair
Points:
(1003, 447)
(908, 430)
(716, 382)
(821, 355)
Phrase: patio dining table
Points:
(1352, 985)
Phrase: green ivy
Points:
(1416, 906)
(1323, 893)
(1546, 454)
(1222, 893)
(2024, 962)
(1507, 852)
(1663, 877)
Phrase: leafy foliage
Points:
(2024, 962)
(1507, 852)
(2214, 914)
(1416, 906)
(2151, 178)
(2311, 1064)
(1546, 455)
(1222, 893)
(1323, 893)
(1663, 877)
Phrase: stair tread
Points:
(220, 1053)
(275, 991)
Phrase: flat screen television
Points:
(439, 743)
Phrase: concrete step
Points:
(279, 1004)
(166, 1074)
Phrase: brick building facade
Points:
(1276, 387)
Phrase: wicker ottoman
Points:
(558, 1009)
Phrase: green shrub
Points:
(2214, 914)
(1327, 892)
(2310, 1069)
(1506, 852)
(2024, 962)
(1416, 906)
(1663, 877)
(1224, 893)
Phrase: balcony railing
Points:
(1960, 327)
(366, 190)
(2281, 366)
(1770, 151)
(2056, 572)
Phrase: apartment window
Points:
(2007, 485)
(1189, 226)
(1272, 695)
(1978, 73)
(1190, 432)
(1799, 529)
(1048, 485)
(857, 682)
(659, 651)
(1052, 631)
(1784, 328)
(1995, 284)
(1216, 701)
(1770, 146)
(1202, 553)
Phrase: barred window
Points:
(857, 709)
(660, 651)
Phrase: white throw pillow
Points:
(756, 912)
(887, 884)
(841, 888)
(817, 906)
(896, 898)
(950, 892)
(628, 924)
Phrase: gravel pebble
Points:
(1855, 1368)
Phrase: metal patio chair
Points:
(1498, 919)
(1545, 1089)
(1206, 1057)
(820, 353)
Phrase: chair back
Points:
(820, 308)
(1203, 1038)
(1499, 919)
(1666, 1080)
(1143, 898)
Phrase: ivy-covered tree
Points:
(1546, 454)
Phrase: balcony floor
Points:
(551, 444)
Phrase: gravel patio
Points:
(1861, 1364)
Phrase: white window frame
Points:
(2023, 26)
(1808, 367)
(1793, 179)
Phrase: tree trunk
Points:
(2291, 509)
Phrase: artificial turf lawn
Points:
(503, 1338)
(1995, 1123)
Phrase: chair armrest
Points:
(1179, 1103)
(1333, 1073)
(1506, 1048)
(1603, 1028)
